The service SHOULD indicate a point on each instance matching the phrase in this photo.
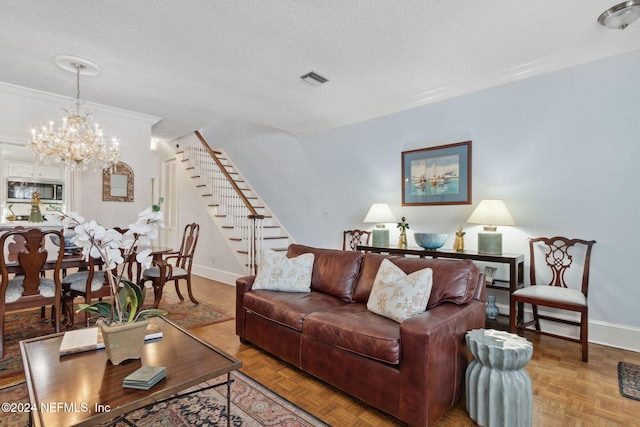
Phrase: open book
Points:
(87, 339)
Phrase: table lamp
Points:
(490, 213)
(379, 213)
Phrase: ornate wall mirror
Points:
(117, 183)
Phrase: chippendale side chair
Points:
(352, 238)
(559, 276)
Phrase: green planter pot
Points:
(123, 341)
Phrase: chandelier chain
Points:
(78, 68)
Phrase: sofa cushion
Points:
(334, 272)
(279, 273)
(453, 280)
(398, 295)
(354, 328)
(288, 308)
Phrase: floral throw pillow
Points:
(397, 295)
(279, 273)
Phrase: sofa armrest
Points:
(243, 285)
(434, 359)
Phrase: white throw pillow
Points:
(397, 295)
(279, 273)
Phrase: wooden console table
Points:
(515, 262)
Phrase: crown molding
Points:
(52, 100)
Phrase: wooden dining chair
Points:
(22, 285)
(352, 238)
(89, 284)
(176, 267)
(563, 264)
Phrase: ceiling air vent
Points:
(314, 79)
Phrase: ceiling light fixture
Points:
(621, 15)
(79, 141)
(314, 78)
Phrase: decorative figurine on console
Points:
(402, 241)
(36, 214)
(458, 244)
(13, 216)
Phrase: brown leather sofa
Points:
(413, 370)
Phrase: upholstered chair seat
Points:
(78, 281)
(154, 272)
(554, 293)
(47, 288)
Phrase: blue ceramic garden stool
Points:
(499, 391)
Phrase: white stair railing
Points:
(230, 202)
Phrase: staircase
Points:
(241, 216)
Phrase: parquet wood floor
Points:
(567, 392)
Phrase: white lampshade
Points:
(490, 213)
(378, 214)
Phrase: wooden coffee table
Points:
(85, 389)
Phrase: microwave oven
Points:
(21, 191)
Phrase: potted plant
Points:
(123, 324)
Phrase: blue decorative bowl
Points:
(68, 246)
(430, 240)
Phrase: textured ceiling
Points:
(190, 61)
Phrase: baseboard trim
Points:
(614, 335)
(215, 274)
(604, 333)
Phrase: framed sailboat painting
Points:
(437, 175)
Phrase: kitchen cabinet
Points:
(34, 171)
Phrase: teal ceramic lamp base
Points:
(490, 243)
(380, 237)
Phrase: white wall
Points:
(561, 149)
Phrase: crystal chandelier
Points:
(78, 142)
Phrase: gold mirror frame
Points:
(121, 192)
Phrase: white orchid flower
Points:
(139, 228)
(144, 258)
(151, 216)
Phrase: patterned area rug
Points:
(252, 405)
(28, 324)
(629, 380)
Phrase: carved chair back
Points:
(352, 238)
(561, 256)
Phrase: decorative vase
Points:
(492, 309)
(123, 341)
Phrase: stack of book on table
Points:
(145, 377)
